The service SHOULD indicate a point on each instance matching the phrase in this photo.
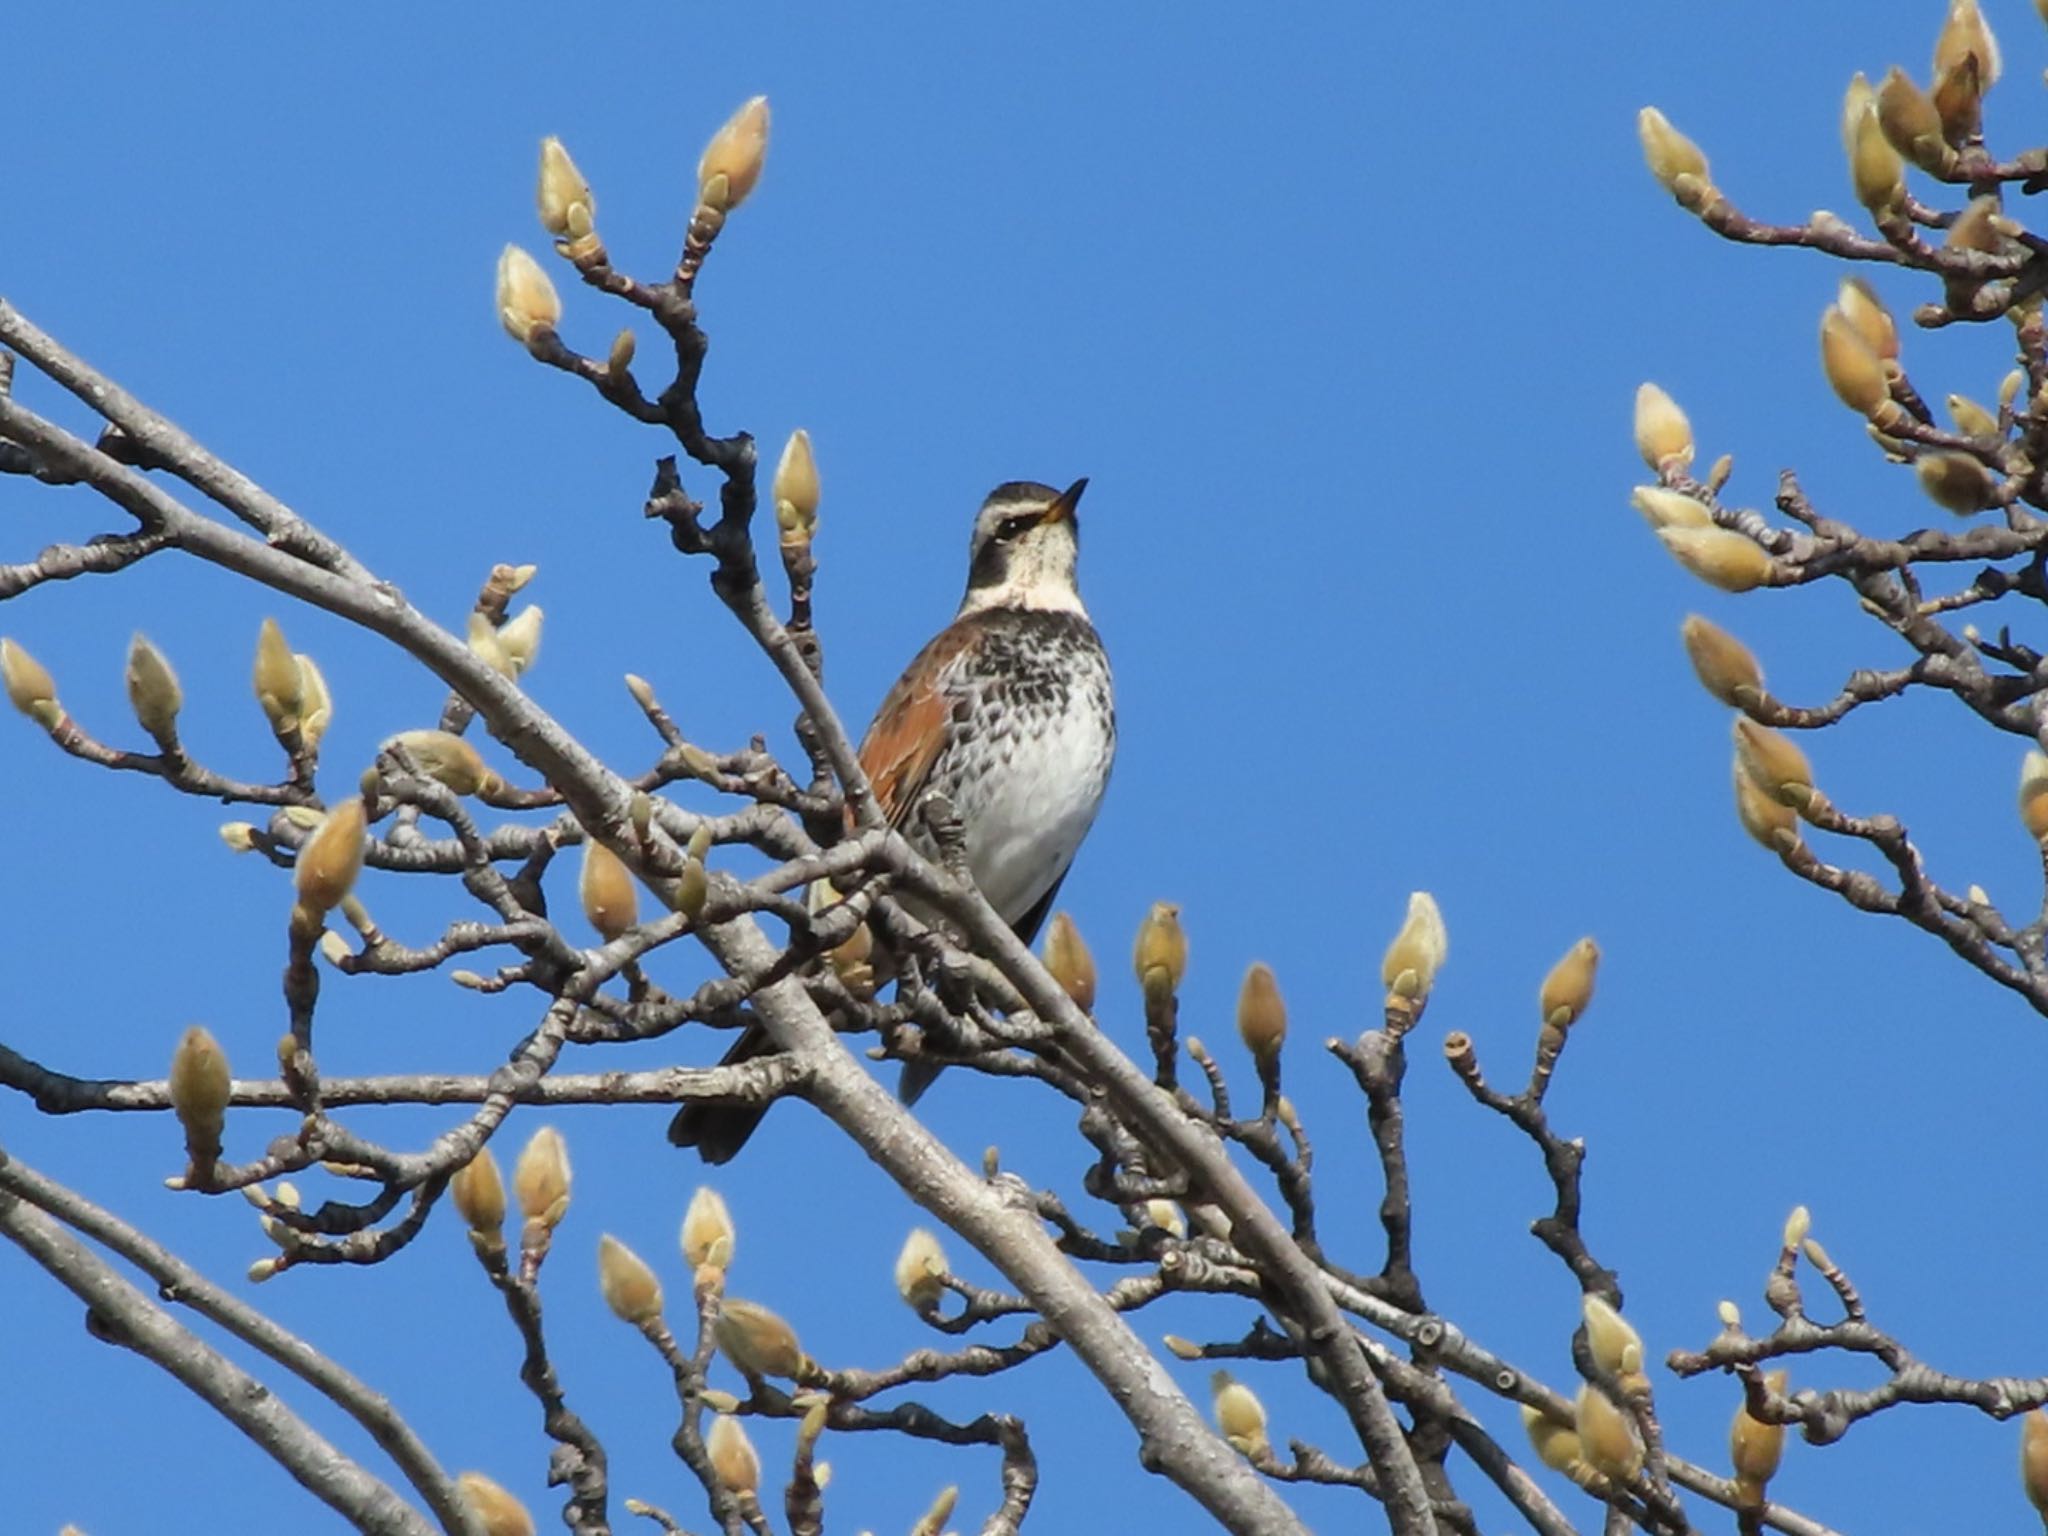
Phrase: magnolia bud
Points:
(1971, 419)
(540, 1179)
(732, 1455)
(1797, 1225)
(1166, 1216)
(735, 154)
(2034, 1459)
(1669, 153)
(1568, 988)
(796, 480)
(1909, 120)
(485, 645)
(446, 758)
(1959, 99)
(527, 302)
(1955, 482)
(620, 358)
(280, 685)
(1067, 957)
(1418, 950)
(29, 686)
(331, 858)
(1965, 35)
(1875, 169)
(1662, 432)
(238, 835)
(496, 1510)
(1729, 1314)
(1663, 508)
(1606, 1436)
(934, 1519)
(316, 705)
(1770, 822)
(2034, 795)
(1725, 665)
(1616, 1347)
(1977, 228)
(1868, 317)
(1754, 1447)
(519, 636)
(1556, 1446)
(153, 690)
(921, 1271)
(629, 1286)
(1161, 956)
(759, 1342)
(562, 195)
(1719, 556)
(708, 1232)
(1261, 1013)
(610, 900)
(1239, 1415)
(479, 1193)
(200, 1085)
(1780, 769)
(1854, 371)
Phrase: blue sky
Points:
(1341, 309)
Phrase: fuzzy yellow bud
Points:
(1239, 1414)
(540, 1179)
(610, 899)
(496, 1510)
(1556, 1446)
(1725, 666)
(732, 160)
(1866, 314)
(1965, 34)
(316, 704)
(1669, 153)
(238, 835)
(1875, 169)
(561, 195)
(279, 684)
(1067, 957)
(1664, 508)
(1166, 1216)
(479, 1193)
(1909, 119)
(759, 1342)
(1161, 955)
(446, 758)
(620, 358)
(485, 645)
(1754, 1447)
(528, 305)
(153, 691)
(796, 481)
(1771, 823)
(1720, 557)
(1854, 371)
(2034, 795)
(921, 1271)
(708, 1232)
(1955, 482)
(732, 1455)
(1729, 1314)
(29, 685)
(2034, 1459)
(519, 637)
(1979, 227)
(1568, 989)
(200, 1085)
(1418, 951)
(628, 1283)
(1777, 765)
(1605, 1435)
(1971, 419)
(1663, 435)
(1797, 1225)
(1616, 1347)
(331, 858)
(1261, 1012)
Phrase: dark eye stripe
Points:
(1011, 527)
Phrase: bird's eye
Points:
(1014, 527)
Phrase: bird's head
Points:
(1025, 543)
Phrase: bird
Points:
(1009, 713)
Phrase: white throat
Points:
(1041, 596)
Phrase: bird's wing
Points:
(911, 728)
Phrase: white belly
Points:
(1027, 813)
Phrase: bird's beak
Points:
(1062, 509)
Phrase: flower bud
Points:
(2034, 1459)
(446, 758)
(280, 685)
(796, 480)
(759, 1342)
(629, 1286)
(479, 1193)
(732, 1455)
(1771, 823)
(1719, 556)
(1616, 1347)
(1161, 956)
(1669, 153)
(153, 691)
(2034, 795)
(240, 836)
(540, 1179)
(735, 153)
(1868, 317)
(1261, 1013)
(934, 1519)
(1854, 371)
(1875, 169)
(1955, 482)
(1556, 1446)
(1907, 115)
(708, 1232)
(1797, 1225)
(1067, 957)
(1965, 34)
(1769, 757)
(1166, 1216)
(562, 196)
(331, 858)
(610, 899)
(1418, 951)
(620, 358)
(1239, 1415)
(1729, 1314)
(921, 1271)
(496, 1510)
(485, 645)
(1662, 432)
(1663, 508)
(200, 1086)
(520, 638)
(1606, 1436)
(1977, 228)
(1972, 419)
(1725, 666)
(29, 685)
(1754, 1447)
(1568, 989)
(1959, 99)
(527, 302)
(316, 705)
